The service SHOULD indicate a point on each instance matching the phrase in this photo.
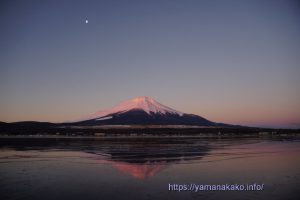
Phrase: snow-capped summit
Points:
(147, 104)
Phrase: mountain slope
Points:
(143, 111)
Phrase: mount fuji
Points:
(143, 111)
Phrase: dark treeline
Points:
(28, 128)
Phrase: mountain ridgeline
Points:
(141, 115)
(138, 115)
(143, 111)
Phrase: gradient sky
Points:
(229, 61)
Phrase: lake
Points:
(149, 168)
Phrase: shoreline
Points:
(204, 136)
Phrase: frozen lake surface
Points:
(137, 168)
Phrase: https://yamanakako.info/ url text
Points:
(192, 187)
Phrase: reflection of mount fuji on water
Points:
(145, 158)
(140, 171)
(143, 111)
(141, 158)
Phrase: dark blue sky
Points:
(229, 61)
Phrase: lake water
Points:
(136, 168)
